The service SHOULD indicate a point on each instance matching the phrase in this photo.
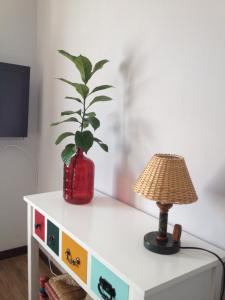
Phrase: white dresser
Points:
(101, 246)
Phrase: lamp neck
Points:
(163, 220)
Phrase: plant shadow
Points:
(131, 128)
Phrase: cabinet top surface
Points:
(114, 232)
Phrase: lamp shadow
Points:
(216, 186)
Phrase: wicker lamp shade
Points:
(166, 179)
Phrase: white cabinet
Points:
(110, 235)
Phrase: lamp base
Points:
(168, 247)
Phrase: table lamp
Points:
(166, 180)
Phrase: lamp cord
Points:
(220, 260)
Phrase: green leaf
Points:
(100, 98)
(71, 112)
(90, 114)
(104, 147)
(62, 137)
(101, 87)
(95, 123)
(101, 144)
(67, 55)
(66, 81)
(86, 123)
(84, 66)
(91, 119)
(78, 112)
(72, 98)
(68, 153)
(82, 63)
(72, 119)
(99, 65)
(67, 112)
(82, 89)
(84, 140)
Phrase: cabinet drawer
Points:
(74, 256)
(39, 225)
(105, 284)
(53, 237)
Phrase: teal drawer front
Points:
(53, 237)
(105, 284)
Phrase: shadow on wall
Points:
(216, 186)
(131, 129)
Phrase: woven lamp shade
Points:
(166, 179)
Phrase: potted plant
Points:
(78, 185)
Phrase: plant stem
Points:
(82, 122)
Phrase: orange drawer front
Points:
(74, 256)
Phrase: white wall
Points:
(168, 67)
(18, 157)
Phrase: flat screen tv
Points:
(14, 100)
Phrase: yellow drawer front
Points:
(74, 256)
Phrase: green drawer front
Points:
(53, 237)
(110, 283)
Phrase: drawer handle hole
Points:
(105, 289)
(51, 239)
(72, 261)
(37, 226)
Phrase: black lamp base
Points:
(168, 247)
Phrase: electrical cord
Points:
(220, 260)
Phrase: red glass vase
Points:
(78, 181)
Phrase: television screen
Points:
(14, 100)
